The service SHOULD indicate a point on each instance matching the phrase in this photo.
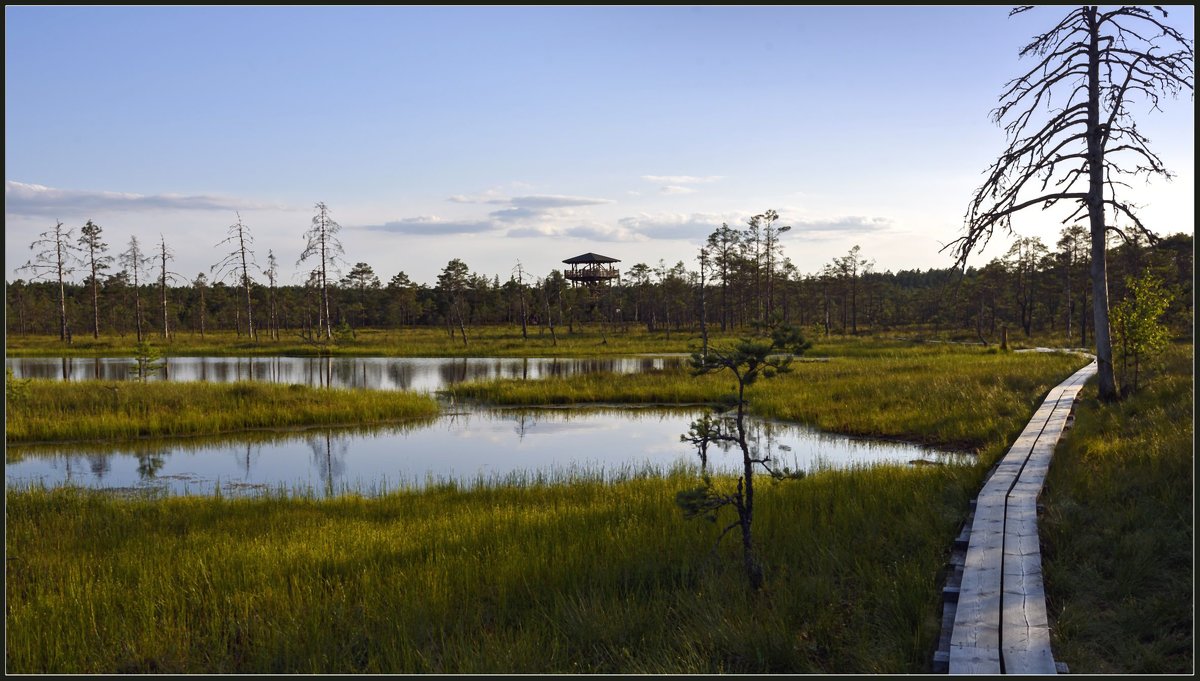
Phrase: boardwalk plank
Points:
(1000, 621)
(968, 660)
(1028, 662)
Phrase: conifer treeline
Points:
(1034, 289)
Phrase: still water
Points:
(421, 374)
(463, 447)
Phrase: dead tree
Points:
(272, 273)
(321, 242)
(134, 262)
(520, 278)
(238, 262)
(1095, 65)
(54, 261)
(164, 278)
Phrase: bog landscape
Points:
(721, 461)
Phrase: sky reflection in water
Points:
(465, 447)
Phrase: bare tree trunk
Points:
(746, 503)
(64, 332)
(1099, 268)
(462, 329)
(703, 309)
(137, 306)
(524, 323)
(166, 330)
(246, 284)
(274, 321)
(95, 303)
(325, 290)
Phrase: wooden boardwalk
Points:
(1000, 621)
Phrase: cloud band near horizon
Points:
(34, 200)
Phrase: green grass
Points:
(487, 341)
(1119, 531)
(113, 410)
(946, 395)
(575, 575)
(570, 576)
(949, 395)
(484, 341)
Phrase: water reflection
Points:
(149, 463)
(425, 374)
(465, 446)
(328, 458)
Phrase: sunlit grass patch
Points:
(942, 395)
(93, 410)
(566, 575)
(1118, 533)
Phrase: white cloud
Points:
(490, 196)
(542, 201)
(549, 201)
(533, 215)
(673, 189)
(35, 200)
(431, 225)
(842, 226)
(588, 231)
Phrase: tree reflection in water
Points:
(328, 459)
(150, 463)
(380, 373)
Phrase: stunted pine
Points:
(748, 359)
(95, 259)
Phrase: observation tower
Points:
(591, 270)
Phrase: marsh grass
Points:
(527, 576)
(1119, 533)
(540, 574)
(108, 410)
(588, 340)
(944, 395)
(487, 341)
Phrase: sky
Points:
(524, 134)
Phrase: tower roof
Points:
(589, 258)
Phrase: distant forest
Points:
(738, 278)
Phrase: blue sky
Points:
(531, 134)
